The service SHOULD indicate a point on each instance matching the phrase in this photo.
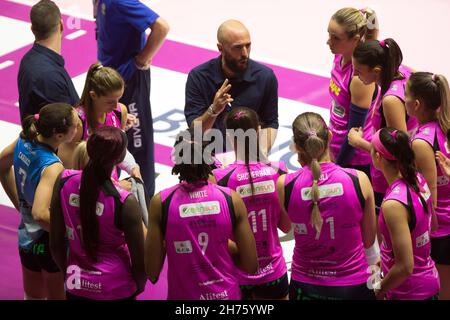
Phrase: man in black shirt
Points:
(42, 77)
(232, 80)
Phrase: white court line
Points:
(6, 64)
(72, 10)
(76, 34)
(259, 58)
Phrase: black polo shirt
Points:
(42, 80)
(256, 89)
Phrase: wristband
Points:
(211, 112)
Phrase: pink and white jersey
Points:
(397, 88)
(264, 214)
(198, 221)
(334, 256)
(109, 277)
(423, 283)
(112, 119)
(339, 89)
(432, 133)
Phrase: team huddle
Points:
(369, 209)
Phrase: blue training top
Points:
(30, 161)
(121, 26)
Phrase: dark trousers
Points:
(140, 138)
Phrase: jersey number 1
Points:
(329, 220)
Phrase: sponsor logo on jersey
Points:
(300, 228)
(183, 246)
(263, 187)
(215, 296)
(199, 209)
(325, 191)
(337, 109)
(334, 88)
(422, 239)
(74, 201)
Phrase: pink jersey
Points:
(397, 88)
(335, 256)
(432, 133)
(199, 221)
(263, 213)
(423, 283)
(112, 119)
(341, 77)
(109, 277)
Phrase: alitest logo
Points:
(75, 282)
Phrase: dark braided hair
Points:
(192, 163)
(106, 147)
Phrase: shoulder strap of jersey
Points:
(288, 191)
(165, 211)
(224, 181)
(357, 186)
(231, 210)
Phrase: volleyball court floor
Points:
(289, 36)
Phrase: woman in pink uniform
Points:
(96, 228)
(428, 99)
(352, 100)
(380, 62)
(99, 106)
(254, 179)
(404, 221)
(333, 216)
(193, 223)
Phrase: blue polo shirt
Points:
(257, 89)
(121, 26)
(42, 79)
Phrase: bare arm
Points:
(396, 217)
(244, 239)
(444, 163)
(66, 150)
(57, 228)
(134, 236)
(361, 96)
(395, 113)
(267, 139)
(426, 164)
(7, 178)
(285, 223)
(43, 195)
(368, 222)
(155, 251)
(212, 179)
(159, 30)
